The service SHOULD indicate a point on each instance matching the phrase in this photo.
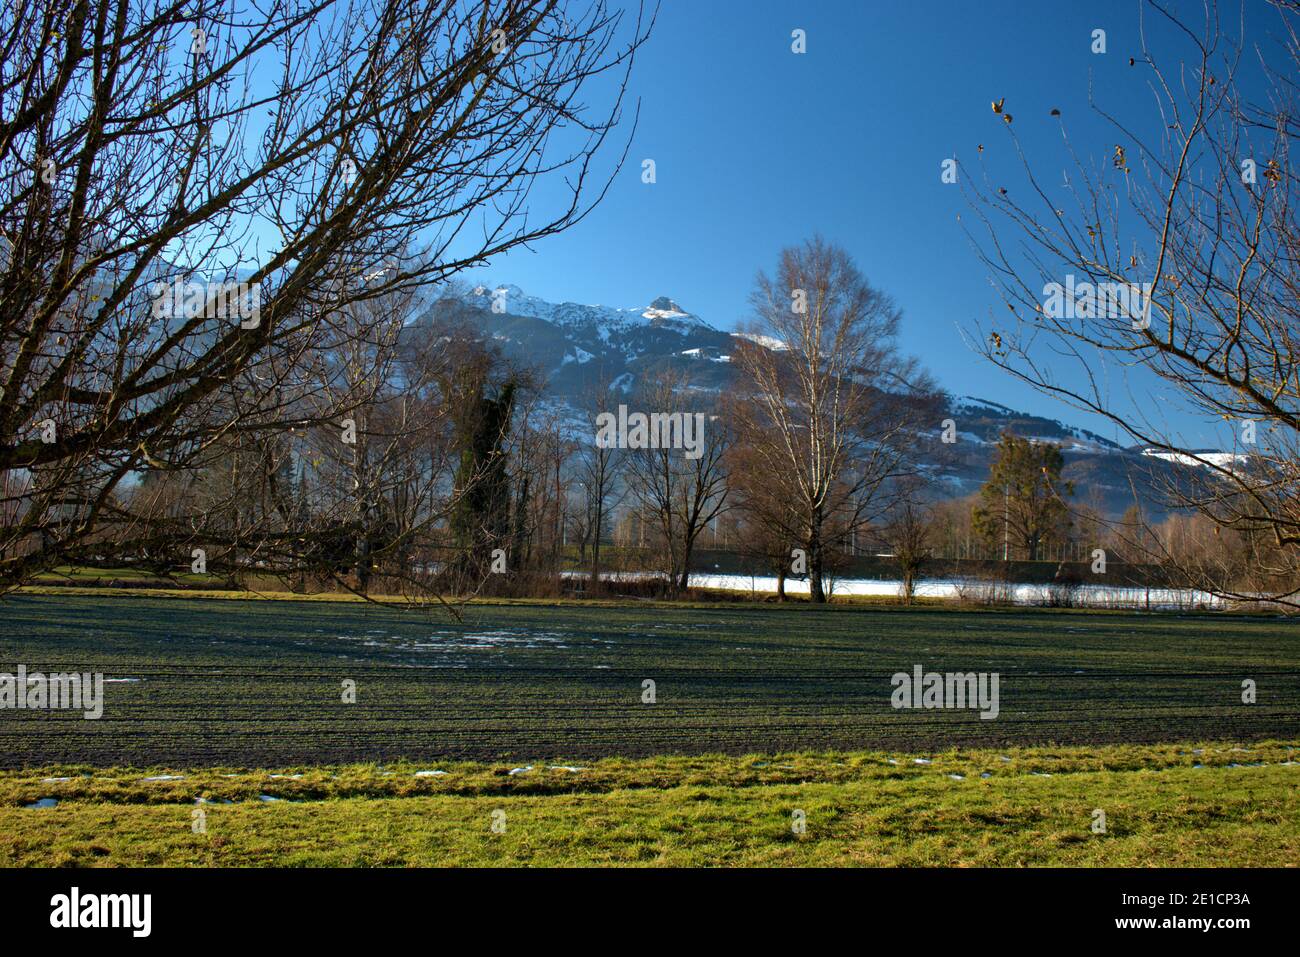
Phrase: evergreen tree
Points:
(480, 519)
(1022, 505)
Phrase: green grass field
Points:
(1139, 716)
(1201, 805)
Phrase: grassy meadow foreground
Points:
(1194, 805)
(534, 717)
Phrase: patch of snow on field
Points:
(439, 643)
(460, 641)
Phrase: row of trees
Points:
(1027, 512)
(450, 474)
(346, 160)
(808, 452)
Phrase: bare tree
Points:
(542, 481)
(199, 200)
(825, 404)
(771, 524)
(599, 469)
(679, 490)
(1177, 256)
(909, 535)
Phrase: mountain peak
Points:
(664, 304)
(500, 290)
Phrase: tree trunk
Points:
(816, 594)
(595, 549)
(363, 566)
(686, 565)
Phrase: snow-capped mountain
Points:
(578, 349)
(662, 313)
(583, 353)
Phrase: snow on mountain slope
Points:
(767, 342)
(1200, 458)
(509, 299)
(970, 403)
(988, 419)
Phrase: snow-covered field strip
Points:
(1095, 596)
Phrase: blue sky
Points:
(757, 148)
